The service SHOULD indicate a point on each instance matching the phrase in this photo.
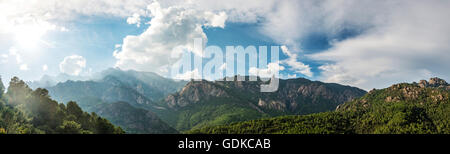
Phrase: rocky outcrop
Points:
(273, 104)
(433, 91)
(433, 83)
(194, 92)
(294, 96)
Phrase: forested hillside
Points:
(27, 111)
(416, 108)
(131, 119)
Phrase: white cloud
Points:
(295, 65)
(117, 46)
(70, 9)
(13, 52)
(44, 67)
(411, 44)
(194, 74)
(291, 21)
(272, 69)
(172, 31)
(216, 20)
(23, 67)
(397, 41)
(290, 76)
(248, 11)
(72, 65)
(134, 19)
(288, 22)
(25, 22)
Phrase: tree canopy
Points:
(25, 111)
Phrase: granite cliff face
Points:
(194, 92)
(204, 103)
(295, 96)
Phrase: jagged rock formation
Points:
(194, 92)
(434, 91)
(294, 95)
(202, 103)
(434, 83)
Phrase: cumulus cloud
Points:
(294, 64)
(72, 65)
(194, 74)
(25, 21)
(134, 19)
(70, 9)
(411, 44)
(43, 11)
(171, 32)
(394, 41)
(288, 22)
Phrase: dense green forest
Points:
(417, 108)
(27, 111)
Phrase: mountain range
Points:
(113, 89)
(405, 108)
(186, 105)
(144, 102)
(206, 103)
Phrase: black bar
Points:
(278, 143)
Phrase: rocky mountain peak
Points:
(193, 92)
(433, 82)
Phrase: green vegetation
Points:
(131, 119)
(24, 111)
(214, 112)
(400, 109)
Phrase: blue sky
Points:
(368, 44)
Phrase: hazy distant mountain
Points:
(202, 103)
(149, 84)
(140, 91)
(406, 108)
(48, 81)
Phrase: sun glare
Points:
(29, 36)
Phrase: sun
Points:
(29, 36)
